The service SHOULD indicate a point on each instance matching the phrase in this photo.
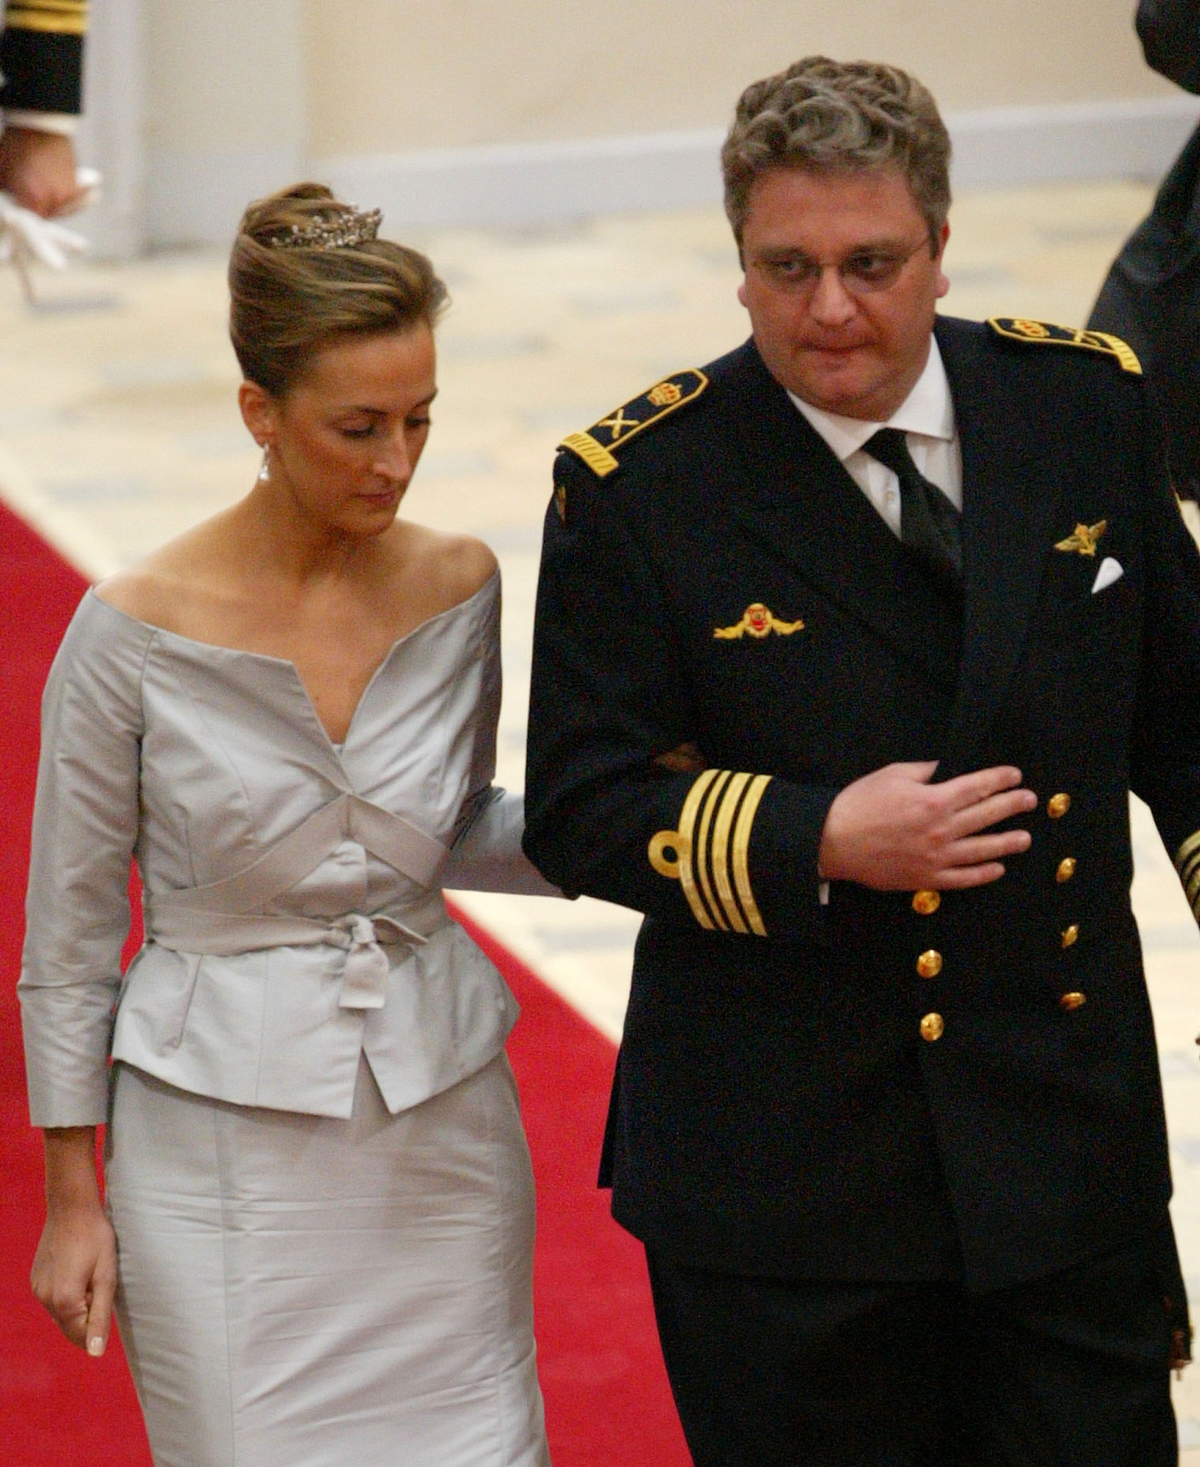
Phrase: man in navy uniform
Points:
(850, 647)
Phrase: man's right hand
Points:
(893, 830)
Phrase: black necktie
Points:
(928, 520)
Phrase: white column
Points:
(112, 132)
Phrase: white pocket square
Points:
(1110, 570)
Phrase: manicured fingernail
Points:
(95, 1346)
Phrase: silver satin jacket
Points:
(292, 888)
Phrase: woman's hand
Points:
(75, 1267)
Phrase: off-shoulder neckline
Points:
(338, 748)
(158, 631)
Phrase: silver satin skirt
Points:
(297, 1291)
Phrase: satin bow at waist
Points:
(220, 919)
(361, 938)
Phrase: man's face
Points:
(855, 340)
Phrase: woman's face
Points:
(345, 440)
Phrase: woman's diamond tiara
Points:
(349, 226)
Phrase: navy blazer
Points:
(41, 55)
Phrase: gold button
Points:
(1071, 936)
(929, 964)
(1057, 806)
(932, 1027)
(1069, 1002)
(1066, 869)
(925, 903)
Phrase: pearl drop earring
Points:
(264, 472)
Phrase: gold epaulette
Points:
(708, 854)
(1187, 863)
(1044, 333)
(50, 17)
(598, 447)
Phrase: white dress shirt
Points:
(926, 417)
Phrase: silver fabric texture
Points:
(300, 1291)
(203, 760)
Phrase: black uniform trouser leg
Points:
(1069, 1371)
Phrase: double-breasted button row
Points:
(930, 963)
(1056, 807)
(933, 1026)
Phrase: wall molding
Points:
(198, 198)
(512, 183)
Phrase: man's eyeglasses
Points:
(861, 272)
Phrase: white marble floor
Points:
(119, 428)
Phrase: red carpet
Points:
(607, 1400)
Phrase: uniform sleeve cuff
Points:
(62, 123)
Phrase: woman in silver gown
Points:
(317, 1182)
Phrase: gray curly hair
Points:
(839, 117)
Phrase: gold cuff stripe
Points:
(64, 18)
(702, 848)
(720, 851)
(1189, 868)
(1189, 848)
(1193, 889)
(711, 850)
(688, 855)
(741, 851)
(594, 454)
(73, 7)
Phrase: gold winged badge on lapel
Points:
(758, 621)
(1083, 540)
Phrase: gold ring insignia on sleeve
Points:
(709, 854)
(1187, 863)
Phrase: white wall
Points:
(447, 111)
(400, 75)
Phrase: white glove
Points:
(26, 237)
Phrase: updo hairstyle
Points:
(288, 300)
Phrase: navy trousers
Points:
(1066, 1371)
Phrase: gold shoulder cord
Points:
(599, 447)
(712, 863)
(1047, 333)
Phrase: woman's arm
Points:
(487, 854)
(85, 826)
(75, 1266)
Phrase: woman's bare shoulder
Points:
(159, 589)
(459, 565)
